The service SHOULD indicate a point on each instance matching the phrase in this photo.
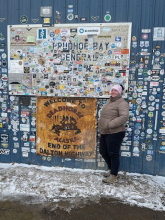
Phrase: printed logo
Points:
(42, 34)
(81, 30)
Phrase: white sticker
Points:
(14, 151)
(125, 148)
(162, 131)
(24, 154)
(148, 157)
(125, 154)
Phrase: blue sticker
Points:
(45, 43)
(113, 46)
(109, 52)
(162, 148)
(42, 33)
(58, 37)
(117, 38)
(70, 10)
(31, 49)
(52, 34)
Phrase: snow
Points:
(38, 184)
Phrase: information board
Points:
(83, 60)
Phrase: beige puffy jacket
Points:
(114, 115)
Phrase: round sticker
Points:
(4, 55)
(113, 45)
(137, 131)
(162, 72)
(151, 98)
(49, 158)
(151, 108)
(149, 131)
(138, 101)
(23, 19)
(70, 17)
(148, 157)
(145, 36)
(134, 38)
(107, 17)
(157, 53)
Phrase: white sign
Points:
(88, 30)
(24, 127)
(158, 34)
(16, 66)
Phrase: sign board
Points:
(66, 127)
(83, 60)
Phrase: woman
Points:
(114, 115)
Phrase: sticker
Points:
(95, 18)
(46, 20)
(146, 31)
(157, 53)
(151, 108)
(70, 16)
(151, 98)
(41, 33)
(23, 19)
(14, 151)
(35, 20)
(148, 157)
(88, 30)
(49, 158)
(145, 36)
(3, 55)
(107, 17)
(125, 154)
(150, 114)
(33, 150)
(149, 131)
(24, 154)
(134, 38)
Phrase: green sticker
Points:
(107, 17)
(23, 19)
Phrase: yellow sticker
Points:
(49, 69)
(15, 56)
(24, 59)
(42, 89)
(61, 86)
(0, 125)
(46, 20)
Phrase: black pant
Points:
(109, 149)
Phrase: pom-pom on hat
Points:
(118, 88)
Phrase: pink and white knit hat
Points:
(118, 88)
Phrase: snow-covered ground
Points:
(38, 184)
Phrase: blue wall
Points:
(144, 14)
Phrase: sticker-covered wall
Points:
(56, 77)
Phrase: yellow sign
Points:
(46, 20)
(66, 127)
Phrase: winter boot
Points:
(111, 179)
(107, 174)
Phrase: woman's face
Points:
(114, 93)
